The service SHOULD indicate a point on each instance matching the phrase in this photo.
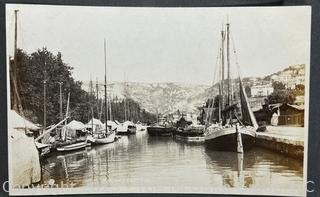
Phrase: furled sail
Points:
(247, 114)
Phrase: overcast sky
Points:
(163, 44)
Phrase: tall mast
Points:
(16, 105)
(220, 93)
(45, 96)
(125, 98)
(60, 100)
(97, 104)
(91, 104)
(228, 62)
(15, 33)
(110, 110)
(105, 83)
(222, 66)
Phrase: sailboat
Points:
(105, 135)
(236, 127)
(70, 147)
(127, 127)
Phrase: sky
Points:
(163, 44)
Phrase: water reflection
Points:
(140, 160)
(255, 168)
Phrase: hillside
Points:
(169, 97)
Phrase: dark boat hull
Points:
(160, 131)
(189, 132)
(226, 139)
(126, 133)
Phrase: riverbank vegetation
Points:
(43, 69)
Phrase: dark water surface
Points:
(140, 160)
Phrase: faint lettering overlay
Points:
(6, 186)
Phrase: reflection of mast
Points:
(64, 162)
(240, 169)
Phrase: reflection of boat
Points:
(196, 139)
(232, 167)
(236, 126)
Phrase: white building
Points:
(261, 90)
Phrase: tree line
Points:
(43, 69)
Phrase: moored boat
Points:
(126, 128)
(187, 131)
(72, 147)
(235, 125)
(159, 130)
(103, 137)
(227, 139)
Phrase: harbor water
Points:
(141, 161)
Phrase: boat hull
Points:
(160, 131)
(126, 132)
(225, 139)
(109, 139)
(72, 147)
(190, 132)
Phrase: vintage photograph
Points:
(210, 100)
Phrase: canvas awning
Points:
(76, 125)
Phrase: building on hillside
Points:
(261, 90)
(289, 79)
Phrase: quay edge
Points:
(287, 145)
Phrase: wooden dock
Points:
(284, 140)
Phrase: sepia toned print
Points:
(157, 100)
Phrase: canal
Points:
(142, 161)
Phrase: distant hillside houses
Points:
(290, 76)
